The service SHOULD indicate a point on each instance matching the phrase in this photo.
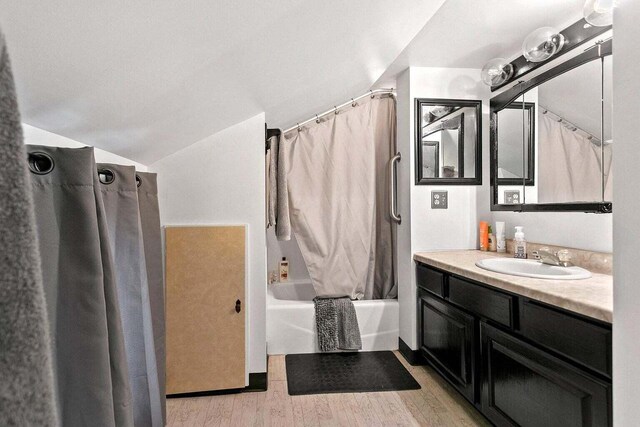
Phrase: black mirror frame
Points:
(505, 98)
(419, 179)
(530, 107)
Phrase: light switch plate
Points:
(439, 200)
(512, 197)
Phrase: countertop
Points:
(591, 297)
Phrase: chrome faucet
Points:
(546, 256)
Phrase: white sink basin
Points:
(532, 268)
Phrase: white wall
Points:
(37, 136)
(221, 180)
(407, 298)
(276, 250)
(422, 228)
(626, 206)
(570, 229)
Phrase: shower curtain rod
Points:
(336, 108)
(572, 127)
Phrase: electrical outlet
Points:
(439, 200)
(512, 197)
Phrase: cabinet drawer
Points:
(580, 340)
(525, 386)
(485, 302)
(430, 280)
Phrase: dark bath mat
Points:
(347, 373)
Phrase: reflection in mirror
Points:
(570, 119)
(447, 142)
(430, 159)
(447, 134)
(511, 127)
(515, 122)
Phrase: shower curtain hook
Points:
(298, 126)
(353, 103)
(372, 95)
(317, 119)
(335, 110)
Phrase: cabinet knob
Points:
(238, 306)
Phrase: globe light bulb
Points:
(542, 44)
(599, 13)
(496, 71)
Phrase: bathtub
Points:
(291, 320)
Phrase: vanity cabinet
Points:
(519, 361)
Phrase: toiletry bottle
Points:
(492, 240)
(484, 236)
(501, 243)
(284, 269)
(519, 244)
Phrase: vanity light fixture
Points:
(496, 72)
(599, 13)
(542, 44)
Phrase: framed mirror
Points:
(516, 151)
(547, 152)
(448, 142)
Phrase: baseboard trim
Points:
(258, 381)
(414, 357)
(205, 393)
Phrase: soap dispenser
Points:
(519, 244)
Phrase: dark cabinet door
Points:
(522, 385)
(447, 341)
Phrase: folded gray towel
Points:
(348, 329)
(337, 324)
(273, 181)
(326, 324)
(283, 221)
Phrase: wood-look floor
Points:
(436, 404)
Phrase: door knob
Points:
(238, 306)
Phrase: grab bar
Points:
(392, 191)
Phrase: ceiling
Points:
(146, 78)
(467, 33)
(575, 96)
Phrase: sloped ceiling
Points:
(575, 96)
(467, 33)
(146, 78)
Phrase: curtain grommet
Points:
(106, 176)
(40, 163)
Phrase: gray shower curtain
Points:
(88, 349)
(96, 284)
(333, 176)
(120, 196)
(152, 239)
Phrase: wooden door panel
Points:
(205, 275)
